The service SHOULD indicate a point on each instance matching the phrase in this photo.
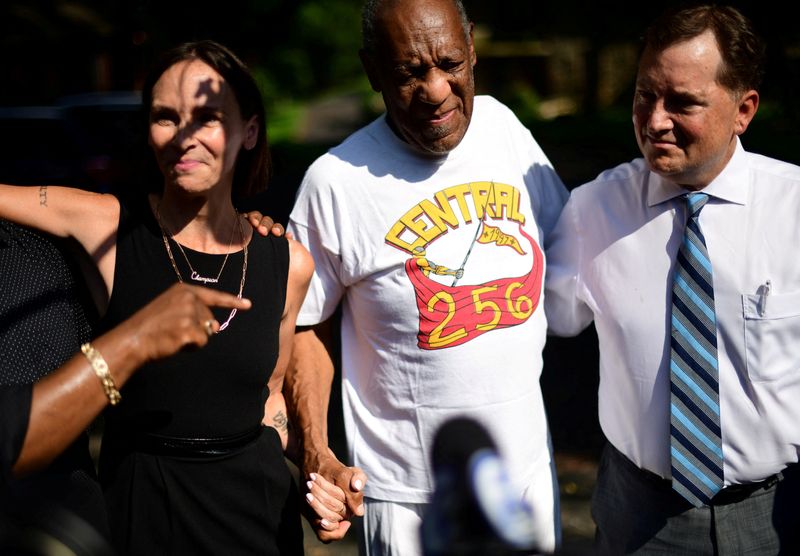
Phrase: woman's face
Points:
(196, 129)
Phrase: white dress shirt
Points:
(611, 261)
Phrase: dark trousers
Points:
(637, 512)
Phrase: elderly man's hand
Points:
(335, 494)
(264, 225)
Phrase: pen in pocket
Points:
(765, 291)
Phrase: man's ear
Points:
(371, 69)
(748, 106)
(472, 56)
(250, 133)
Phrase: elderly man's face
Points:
(423, 68)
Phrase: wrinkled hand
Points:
(327, 509)
(335, 494)
(265, 225)
(179, 318)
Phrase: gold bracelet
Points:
(101, 370)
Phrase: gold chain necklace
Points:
(225, 324)
(196, 276)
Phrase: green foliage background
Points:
(305, 50)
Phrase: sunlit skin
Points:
(196, 128)
(424, 71)
(685, 122)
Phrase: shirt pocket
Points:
(771, 335)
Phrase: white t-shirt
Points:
(439, 264)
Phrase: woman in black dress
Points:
(187, 465)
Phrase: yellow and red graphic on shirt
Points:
(490, 234)
(450, 315)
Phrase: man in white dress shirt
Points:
(613, 259)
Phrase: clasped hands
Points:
(333, 491)
(335, 495)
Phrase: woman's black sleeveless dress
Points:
(186, 466)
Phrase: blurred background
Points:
(69, 114)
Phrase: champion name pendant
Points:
(197, 278)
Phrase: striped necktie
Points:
(696, 444)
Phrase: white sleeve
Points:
(314, 223)
(566, 311)
(547, 191)
(547, 205)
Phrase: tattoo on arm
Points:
(281, 421)
(43, 196)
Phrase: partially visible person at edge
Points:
(50, 393)
(443, 180)
(186, 463)
(727, 482)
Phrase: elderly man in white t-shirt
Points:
(428, 226)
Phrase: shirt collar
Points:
(731, 185)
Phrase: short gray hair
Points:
(369, 14)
